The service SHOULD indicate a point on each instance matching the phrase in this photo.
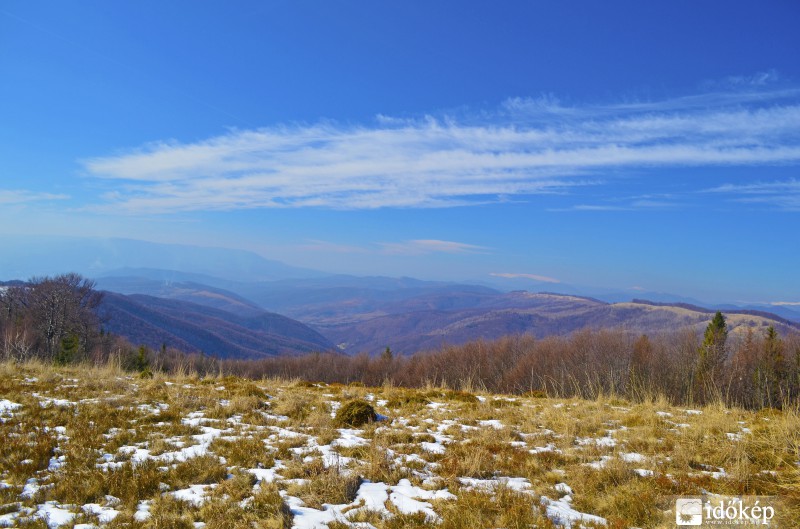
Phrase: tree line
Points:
(54, 319)
(754, 370)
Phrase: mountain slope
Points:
(539, 314)
(191, 327)
(369, 314)
(191, 291)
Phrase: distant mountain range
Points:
(235, 303)
(194, 327)
(408, 315)
(538, 314)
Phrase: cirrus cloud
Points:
(525, 147)
(21, 196)
(532, 277)
(427, 246)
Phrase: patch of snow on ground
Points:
(549, 448)
(434, 448)
(349, 438)
(45, 402)
(493, 423)
(408, 505)
(607, 441)
(563, 488)
(718, 474)
(632, 457)
(31, 487)
(598, 465)
(373, 496)
(9, 520)
(6, 407)
(562, 513)
(136, 454)
(104, 514)
(266, 474)
(53, 515)
(308, 518)
(195, 494)
(283, 432)
(518, 484)
(142, 511)
(56, 463)
(407, 498)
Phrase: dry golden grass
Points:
(78, 427)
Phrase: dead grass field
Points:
(89, 447)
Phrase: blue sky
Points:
(629, 145)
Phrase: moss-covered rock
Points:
(355, 413)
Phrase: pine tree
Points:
(712, 353)
(70, 347)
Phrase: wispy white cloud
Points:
(406, 248)
(783, 194)
(757, 80)
(760, 188)
(525, 147)
(427, 246)
(20, 196)
(592, 207)
(532, 277)
(661, 201)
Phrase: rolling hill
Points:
(539, 314)
(193, 327)
(408, 315)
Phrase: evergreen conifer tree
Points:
(712, 354)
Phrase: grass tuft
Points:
(355, 413)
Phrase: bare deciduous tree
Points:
(54, 309)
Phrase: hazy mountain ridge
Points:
(365, 313)
(190, 291)
(545, 315)
(192, 327)
(410, 315)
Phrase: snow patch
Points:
(54, 515)
(195, 494)
(518, 484)
(6, 407)
(561, 513)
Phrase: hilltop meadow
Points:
(102, 447)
